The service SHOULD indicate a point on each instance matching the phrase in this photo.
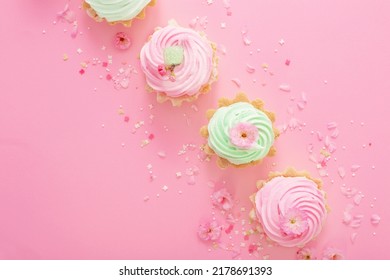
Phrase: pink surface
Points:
(74, 179)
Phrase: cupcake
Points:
(179, 64)
(118, 11)
(290, 207)
(239, 132)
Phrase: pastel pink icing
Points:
(195, 70)
(282, 195)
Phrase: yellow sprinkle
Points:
(121, 112)
(65, 57)
(83, 64)
(264, 65)
(325, 153)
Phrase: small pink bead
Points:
(161, 70)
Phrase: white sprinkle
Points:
(146, 198)
(164, 188)
(281, 42)
(223, 25)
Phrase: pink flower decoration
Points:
(244, 135)
(222, 199)
(305, 254)
(294, 222)
(332, 254)
(210, 231)
(161, 70)
(122, 41)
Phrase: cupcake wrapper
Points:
(223, 102)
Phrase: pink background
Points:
(73, 174)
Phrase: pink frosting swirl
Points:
(296, 200)
(194, 72)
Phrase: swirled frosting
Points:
(227, 118)
(193, 72)
(118, 10)
(291, 210)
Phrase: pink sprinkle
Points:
(353, 237)
(161, 70)
(355, 167)
(161, 154)
(82, 71)
(304, 97)
(341, 172)
(191, 180)
(301, 105)
(285, 88)
(252, 248)
(250, 69)
(237, 82)
(193, 22)
(246, 237)
(287, 62)
(104, 64)
(229, 229)
(357, 199)
(108, 77)
(332, 147)
(335, 133)
(332, 125)
(313, 158)
(319, 136)
(151, 136)
(323, 172)
(375, 219)
(75, 28)
(126, 118)
(327, 141)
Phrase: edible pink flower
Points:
(332, 254)
(244, 135)
(305, 254)
(222, 199)
(122, 41)
(210, 231)
(294, 222)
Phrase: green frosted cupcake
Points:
(239, 132)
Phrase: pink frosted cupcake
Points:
(118, 11)
(179, 63)
(290, 207)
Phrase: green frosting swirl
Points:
(227, 117)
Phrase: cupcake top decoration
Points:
(179, 63)
(291, 208)
(240, 132)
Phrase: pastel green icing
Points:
(173, 55)
(227, 117)
(115, 10)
